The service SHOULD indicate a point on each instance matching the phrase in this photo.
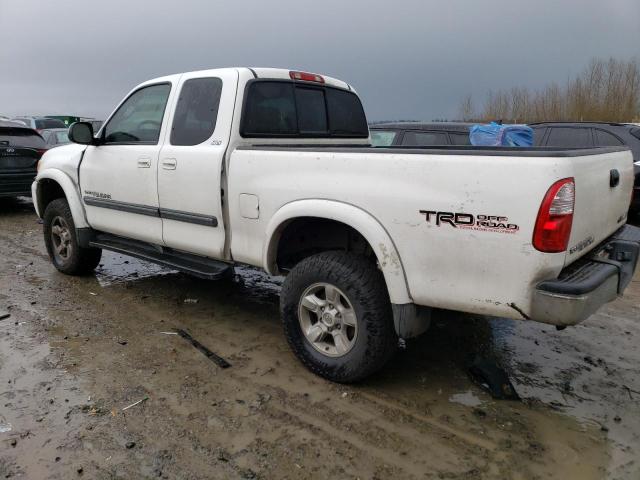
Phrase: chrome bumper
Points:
(583, 287)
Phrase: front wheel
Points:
(62, 243)
(337, 316)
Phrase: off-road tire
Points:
(81, 260)
(363, 284)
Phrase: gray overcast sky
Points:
(408, 59)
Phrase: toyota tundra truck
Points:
(273, 168)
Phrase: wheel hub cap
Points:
(61, 239)
(327, 319)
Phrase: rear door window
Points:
(459, 138)
(538, 136)
(196, 111)
(606, 139)
(281, 108)
(382, 138)
(570, 137)
(412, 138)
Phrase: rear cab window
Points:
(274, 108)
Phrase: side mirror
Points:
(81, 132)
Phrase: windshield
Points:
(382, 138)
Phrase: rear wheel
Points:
(337, 316)
(62, 243)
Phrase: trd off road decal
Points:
(483, 223)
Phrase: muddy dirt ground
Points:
(75, 352)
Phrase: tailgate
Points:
(601, 203)
(16, 159)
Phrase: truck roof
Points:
(256, 72)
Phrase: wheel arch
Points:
(354, 217)
(49, 186)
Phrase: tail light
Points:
(555, 217)
(307, 77)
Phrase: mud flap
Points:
(489, 376)
(410, 320)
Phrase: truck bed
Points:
(489, 271)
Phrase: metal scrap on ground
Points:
(221, 362)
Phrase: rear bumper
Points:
(16, 183)
(583, 287)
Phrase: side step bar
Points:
(195, 265)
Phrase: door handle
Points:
(169, 163)
(614, 178)
(144, 162)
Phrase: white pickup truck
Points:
(274, 168)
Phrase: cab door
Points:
(118, 177)
(191, 163)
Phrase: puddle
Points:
(115, 268)
(468, 399)
(588, 373)
(5, 427)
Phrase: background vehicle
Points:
(55, 136)
(40, 123)
(96, 124)
(594, 134)
(274, 168)
(69, 119)
(66, 119)
(20, 150)
(419, 133)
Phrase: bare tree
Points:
(467, 110)
(606, 90)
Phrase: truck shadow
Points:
(449, 346)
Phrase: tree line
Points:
(606, 90)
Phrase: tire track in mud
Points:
(22, 248)
(359, 418)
